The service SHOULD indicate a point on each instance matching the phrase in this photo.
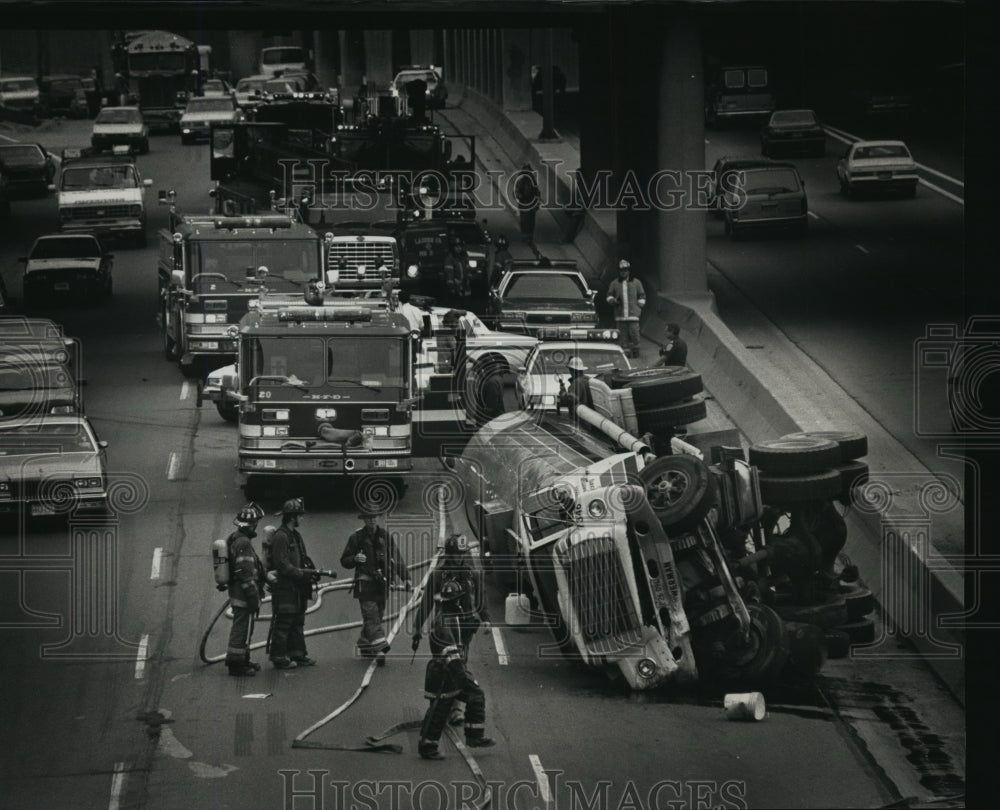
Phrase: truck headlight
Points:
(473, 263)
(411, 271)
(646, 668)
(597, 508)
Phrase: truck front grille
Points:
(599, 591)
(361, 254)
(96, 211)
(547, 319)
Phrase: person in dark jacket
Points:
(527, 198)
(578, 391)
(502, 260)
(246, 586)
(448, 677)
(674, 351)
(376, 562)
(291, 590)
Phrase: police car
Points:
(537, 384)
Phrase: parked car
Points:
(249, 91)
(63, 95)
(71, 266)
(201, 113)
(27, 166)
(793, 131)
(877, 166)
(68, 469)
(768, 197)
(541, 379)
(19, 97)
(117, 126)
(436, 93)
(215, 88)
(550, 300)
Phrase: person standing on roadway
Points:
(246, 586)
(376, 562)
(628, 297)
(291, 589)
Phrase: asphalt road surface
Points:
(106, 702)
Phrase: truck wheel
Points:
(653, 387)
(766, 654)
(794, 456)
(680, 489)
(859, 632)
(852, 474)
(860, 601)
(790, 489)
(830, 614)
(231, 413)
(660, 420)
(852, 443)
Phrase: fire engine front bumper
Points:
(315, 464)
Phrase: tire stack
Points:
(814, 466)
(665, 397)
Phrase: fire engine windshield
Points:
(291, 264)
(341, 362)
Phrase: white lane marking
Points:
(172, 466)
(155, 570)
(501, 647)
(863, 249)
(117, 786)
(140, 657)
(541, 777)
(941, 191)
(185, 389)
(813, 214)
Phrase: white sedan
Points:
(536, 385)
(877, 166)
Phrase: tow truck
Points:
(102, 194)
(325, 388)
(211, 267)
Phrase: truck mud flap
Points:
(664, 587)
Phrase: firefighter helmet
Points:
(293, 506)
(451, 591)
(251, 513)
(576, 364)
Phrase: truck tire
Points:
(789, 489)
(852, 444)
(660, 420)
(859, 632)
(798, 456)
(828, 615)
(860, 601)
(681, 490)
(653, 387)
(852, 474)
(838, 644)
(231, 413)
(767, 654)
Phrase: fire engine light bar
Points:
(264, 221)
(341, 314)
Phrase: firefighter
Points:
(291, 590)
(578, 392)
(246, 586)
(448, 678)
(627, 296)
(376, 561)
(455, 271)
(502, 260)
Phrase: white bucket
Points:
(517, 609)
(745, 706)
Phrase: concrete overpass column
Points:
(352, 60)
(378, 57)
(515, 69)
(597, 82)
(681, 147)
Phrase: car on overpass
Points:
(767, 198)
(793, 131)
(877, 166)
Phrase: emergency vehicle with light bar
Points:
(210, 268)
(325, 389)
(102, 194)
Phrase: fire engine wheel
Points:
(829, 615)
(661, 420)
(852, 474)
(652, 387)
(852, 444)
(680, 489)
(785, 456)
(231, 413)
(777, 490)
(766, 652)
